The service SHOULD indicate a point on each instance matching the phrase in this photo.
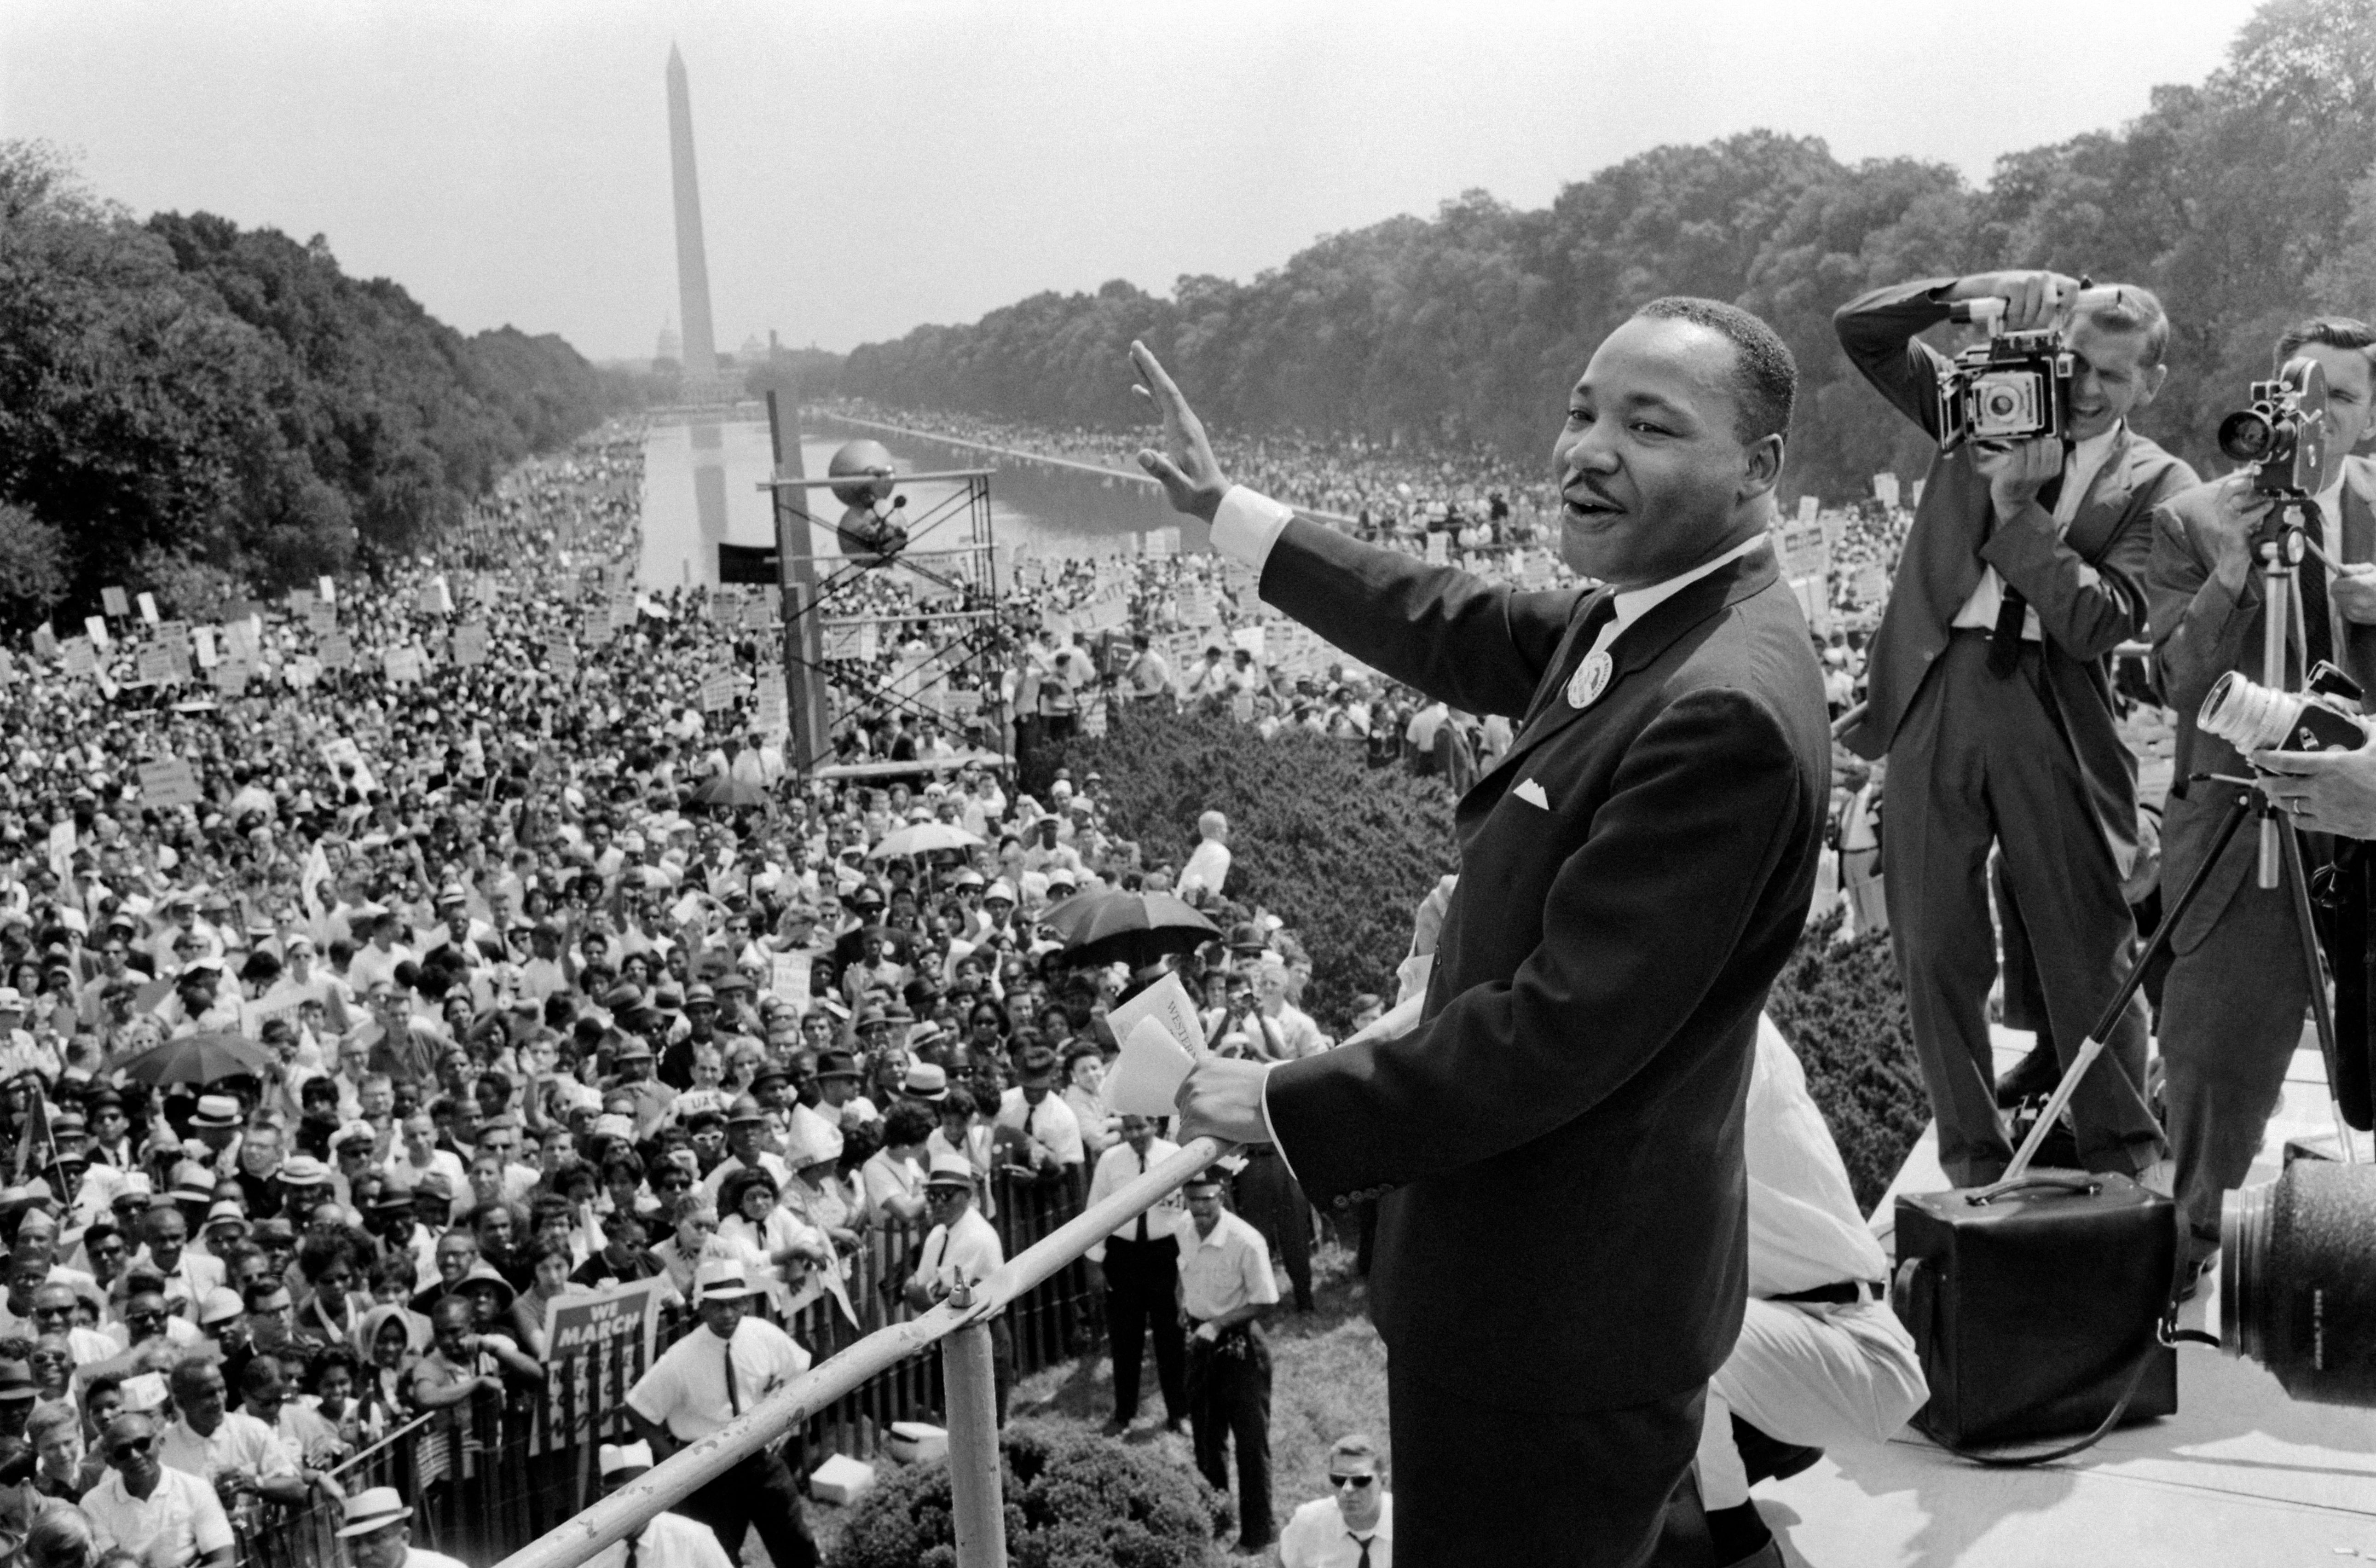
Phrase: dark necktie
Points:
(2318, 619)
(1142, 1212)
(1588, 631)
(2004, 641)
(733, 1399)
(1361, 1541)
(633, 1543)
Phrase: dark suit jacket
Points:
(2200, 632)
(2087, 585)
(1559, 1143)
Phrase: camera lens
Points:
(2000, 403)
(2246, 437)
(2298, 1281)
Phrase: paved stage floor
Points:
(2241, 1476)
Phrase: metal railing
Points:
(959, 1326)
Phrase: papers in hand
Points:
(1160, 1042)
(1149, 1071)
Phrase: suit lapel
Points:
(2359, 544)
(1634, 648)
(2106, 502)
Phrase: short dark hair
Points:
(2335, 331)
(1764, 375)
(2124, 307)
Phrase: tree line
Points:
(2244, 201)
(203, 410)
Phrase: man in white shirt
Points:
(1138, 1268)
(1351, 1527)
(961, 1250)
(378, 1537)
(1034, 1109)
(667, 1541)
(223, 1447)
(1822, 1358)
(166, 1517)
(710, 1378)
(1225, 1288)
(1209, 862)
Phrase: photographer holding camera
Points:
(1990, 696)
(2232, 1005)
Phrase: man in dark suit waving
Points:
(1558, 1142)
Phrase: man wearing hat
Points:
(1035, 1109)
(633, 1056)
(747, 1143)
(667, 1541)
(837, 1079)
(167, 1519)
(1226, 1288)
(378, 1535)
(961, 1249)
(707, 1379)
(216, 1125)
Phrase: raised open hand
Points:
(1191, 477)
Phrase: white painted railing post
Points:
(977, 1505)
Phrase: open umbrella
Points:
(198, 1059)
(721, 791)
(1136, 928)
(922, 838)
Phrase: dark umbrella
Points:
(724, 792)
(198, 1059)
(1136, 928)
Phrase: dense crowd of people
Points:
(432, 990)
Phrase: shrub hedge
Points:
(1344, 852)
(1340, 851)
(1074, 1500)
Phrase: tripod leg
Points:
(2297, 875)
(2093, 1046)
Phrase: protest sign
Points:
(789, 979)
(470, 643)
(81, 659)
(113, 600)
(338, 651)
(148, 609)
(170, 782)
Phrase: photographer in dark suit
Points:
(1990, 695)
(1636, 868)
(2233, 1006)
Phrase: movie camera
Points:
(2283, 434)
(2015, 387)
(868, 528)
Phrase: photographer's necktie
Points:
(2013, 611)
(1363, 1542)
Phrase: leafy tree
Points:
(2244, 201)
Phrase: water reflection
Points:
(700, 488)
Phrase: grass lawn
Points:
(1328, 1377)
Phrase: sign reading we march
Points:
(598, 1344)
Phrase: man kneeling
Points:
(1821, 1358)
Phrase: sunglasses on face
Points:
(1358, 1483)
(130, 1446)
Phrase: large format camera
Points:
(2283, 435)
(2015, 387)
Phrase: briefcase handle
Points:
(2078, 1183)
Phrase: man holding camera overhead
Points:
(1990, 696)
(2232, 1005)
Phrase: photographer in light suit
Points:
(2232, 1005)
(2024, 569)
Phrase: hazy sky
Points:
(867, 165)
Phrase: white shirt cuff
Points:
(1270, 1131)
(1247, 524)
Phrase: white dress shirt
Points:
(966, 1251)
(173, 1525)
(685, 1389)
(1804, 1227)
(1317, 1536)
(2079, 472)
(1051, 1123)
(670, 1540)
(1117, 1168)
(1224, 1270)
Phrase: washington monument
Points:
(692, 260)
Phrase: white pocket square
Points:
(1532, 793)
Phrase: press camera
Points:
(2283, 435)
(2015, 387)
(2253, 718)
